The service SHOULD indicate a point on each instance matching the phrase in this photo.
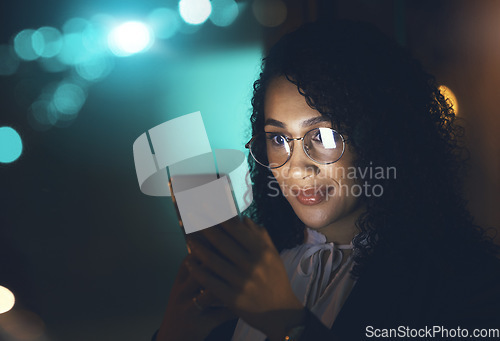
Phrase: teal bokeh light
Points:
(47, 42)
(130, 38)
(43, 114)
(75, 49)
(164, 22)
(69, 98)
(23, 44)
(11, 145)
(195, 12)
(95, 68)
(224, 12)
(75, 25)
(95, 34)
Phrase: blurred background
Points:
(86, 255)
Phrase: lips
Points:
(310, 196)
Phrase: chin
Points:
(315, 220)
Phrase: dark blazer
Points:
(417, 292)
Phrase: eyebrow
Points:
(304, 124)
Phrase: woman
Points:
(358, 222)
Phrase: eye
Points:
(276, 139)
(317, 136)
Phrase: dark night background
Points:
(87, 255)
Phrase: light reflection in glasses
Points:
(327, 138)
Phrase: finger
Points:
(196, 306)
(217, 264)
(183, 272)
(238, 230)
(204, 301)
(227, 246)
(246, 232)
(189, 286)
(207, 299)
(209, 281)
(260, 230)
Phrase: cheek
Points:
(280, 177)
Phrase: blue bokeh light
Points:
(11, 145)
(195, 12)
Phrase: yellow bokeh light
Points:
(450, 97)
(7, 300)
(22, 325)
(270, 13)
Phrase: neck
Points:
(343, 230)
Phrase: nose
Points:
(300, 166)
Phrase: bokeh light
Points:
(43, 114)
(9, 62)
(224, 12)
(450, 97)
(129, 38)
(95, 68)
(47, 42)
(74, 50)
(11, 147)
(22, 325)
(69, 98)
(165, 22)
(23, 45)
(269, 13)
(95, 34)
(58, 104)
(195, 12)
(7, 298)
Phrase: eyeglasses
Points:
(273, 150)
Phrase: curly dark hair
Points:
(394, 116)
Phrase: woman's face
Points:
(321, 195)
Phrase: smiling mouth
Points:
(312, 195)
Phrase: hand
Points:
(184, 320)
(246, 273)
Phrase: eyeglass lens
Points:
(323, 145)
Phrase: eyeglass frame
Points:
(288, 139)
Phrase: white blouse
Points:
(310, 267)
